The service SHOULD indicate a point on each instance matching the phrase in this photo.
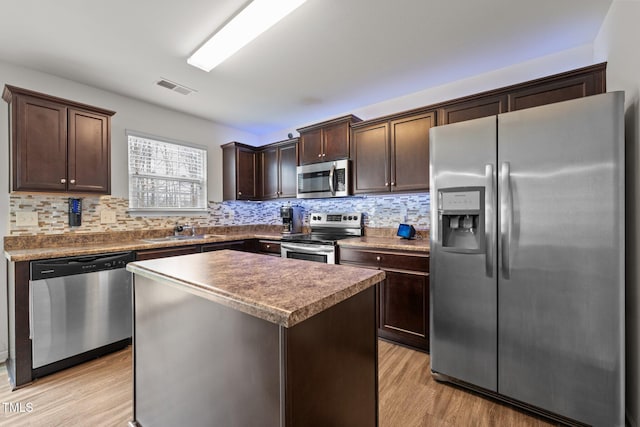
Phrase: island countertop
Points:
(279, 290)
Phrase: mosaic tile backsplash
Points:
(385, 211)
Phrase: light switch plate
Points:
(107, 217)
(27, 219)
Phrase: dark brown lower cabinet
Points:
(235, 245)
(403, 312)
(166, 252)
(268, 247)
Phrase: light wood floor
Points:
(99, 393)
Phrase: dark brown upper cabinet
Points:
(392, 155)
(326, 141)
(489, 105)
(58, 145)
(278, 164)
(572, 84)
(240, 172)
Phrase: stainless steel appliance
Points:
(527, 257)
(291, 219)
(321, 244)
(327, 179)
(78, 304)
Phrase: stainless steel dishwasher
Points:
(78, 304)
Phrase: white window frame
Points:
(158, 206)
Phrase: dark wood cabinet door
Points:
(268, 247)
(311, 147)
(404, 308)
(335, 139)
(288, 163)
(473, 109)
(555, 91)
(403, 311)
(270, 173)
(229, 191)
(246, 174)
(410, 152)
(39, 145)
(88, 152)
(371, 159)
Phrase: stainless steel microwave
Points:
(327, 179)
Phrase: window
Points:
(165, 175)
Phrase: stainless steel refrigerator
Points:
(527, 257)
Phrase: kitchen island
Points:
(235, 339)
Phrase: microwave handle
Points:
(331, 178)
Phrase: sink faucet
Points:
(179, 228)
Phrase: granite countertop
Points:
(29, 248)
(281, 291)
(89, 247)
(397, 243)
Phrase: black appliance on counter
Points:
(321, 244)
(291, 219)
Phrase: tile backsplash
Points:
(385, 211)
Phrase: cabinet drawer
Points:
(386, 259)
(236, 245)
(166, 252)
(269, 247)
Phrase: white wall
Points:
(130, 114)
(617, 43)
(529, 70)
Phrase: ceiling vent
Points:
(174, 86)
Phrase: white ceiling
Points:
(326, 58)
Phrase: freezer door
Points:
(561, 279)
(463, 288)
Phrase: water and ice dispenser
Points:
(461, 219)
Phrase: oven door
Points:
(309, 252)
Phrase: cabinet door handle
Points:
(320, 155)
(386, 184)
(239, 193)
(73, 181)
(378, 258)
(268, 246)
(63, 180)
(393, 184)
(323, 154)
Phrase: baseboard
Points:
(4, 355)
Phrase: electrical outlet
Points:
(27, 219)
(107, 217)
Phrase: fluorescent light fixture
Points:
(255, 19)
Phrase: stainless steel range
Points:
(321, 244)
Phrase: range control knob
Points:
(355, 217)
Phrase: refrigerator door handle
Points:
(506, 211)
(489, 216)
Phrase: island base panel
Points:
(201, 363)
(332, 366)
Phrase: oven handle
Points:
(309, 248)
